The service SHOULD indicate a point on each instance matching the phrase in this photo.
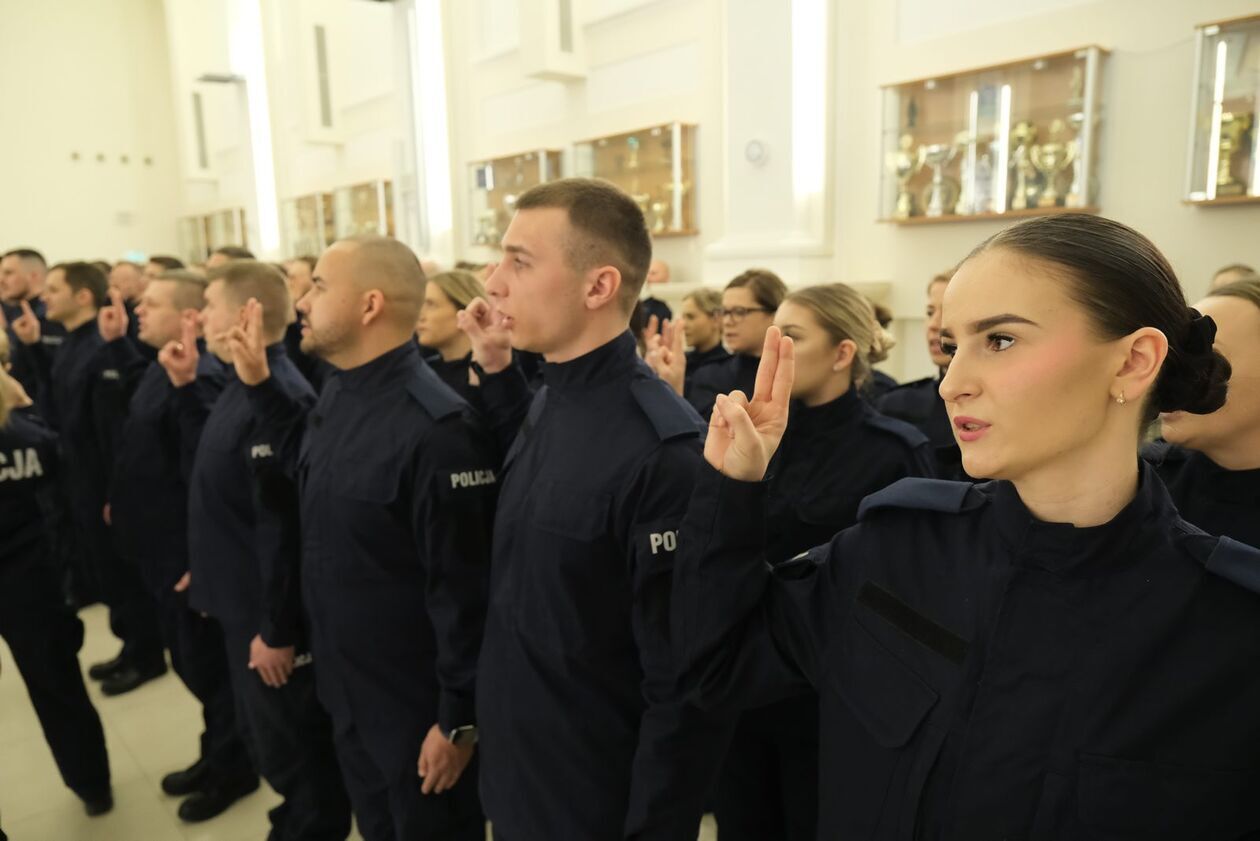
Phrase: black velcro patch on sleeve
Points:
(909, 621)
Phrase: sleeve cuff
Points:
(456, 710)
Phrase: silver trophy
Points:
(942, 192)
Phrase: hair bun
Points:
(1195, 377)
(881, 343)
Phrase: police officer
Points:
(243, 549)
(582, 734)
(1053, 655)
(298, 274)
(397, 489)
(71, 380)
(919, 402)
(448, 350)
(835, 452)
(748, 306)
(701, 320)
(43, 635)
(1211, 463)
(148, 503)
(129, 280)
(23, 274)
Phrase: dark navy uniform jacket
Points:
(1217, 500)
(697, 359)
(877, 385)
(243, 551)
(27, 361)
(397, 483)
(455, 374)
(985, 675)
(583, 736)
(151, 461)
(28, 467)
(920, 403)
(738, 371)
(313, 368)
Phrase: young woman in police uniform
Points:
(1055, 654)
(836, 451)
(1211, 463)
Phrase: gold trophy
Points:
(658, 216)
(1024, 135)
(1076, 192)
(1234, 128)
(904, 165)
(1051, 159)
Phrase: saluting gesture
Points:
(491, 342)
(179, 357)
(667, 353)
(744, 434)
(26, 326)
(112, 319)
(249, 349)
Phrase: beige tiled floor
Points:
(150, 731)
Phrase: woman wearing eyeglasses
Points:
(749, 303)
(1055, 654)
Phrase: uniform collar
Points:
(1221, 484)
(614, 359)
(381, 370)
(84, 330)
(808, 419)
(1065, 549)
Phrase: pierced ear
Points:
(605, 283)
(1145, 352)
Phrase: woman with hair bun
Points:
(836, 451)
(1053, 654)
(1211, 463)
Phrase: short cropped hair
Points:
(166, 261)
(234, 252)
(309, 259)
(80, 275)
(608, 229)
(391, 266)
(245, 279)
(189, 288)
(27, 255)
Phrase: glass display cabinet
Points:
(496, 184)
(656, 166)
(366, 208)
(1017, 139)
(309, 224)
(225, 227)
(192, 239)
(1224, 150)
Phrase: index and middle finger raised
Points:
(776, 370)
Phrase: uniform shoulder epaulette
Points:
(908, 433)
(923, 495)
(434, 396)
(671, 416)
(1159, 452)
(1237, 562)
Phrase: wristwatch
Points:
(466, 735)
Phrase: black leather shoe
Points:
(216, 798)
(180, 783)
(97, 805)
(107, 668)
(129, 678)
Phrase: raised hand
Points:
(179, 358)
(26, 326)
(744, 434)
(491, 342)
(249, 349)
(112, 318)
(667, 355)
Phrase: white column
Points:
(776, 141)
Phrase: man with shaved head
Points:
(397, 486)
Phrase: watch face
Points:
(464, 735)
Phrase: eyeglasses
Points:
(738, 313)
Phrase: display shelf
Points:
(656, 166)
(1223, 164)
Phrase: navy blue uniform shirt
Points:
(697, 359)
(28, 463)
(397, 483)
(26, 361)
(735, 372)
(455, 374)
(920, 403)
(152, 459)
(583, 735)
(984, 674)
(1217, 500)
(243, 551)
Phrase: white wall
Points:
(1146, 102)
(86, 78)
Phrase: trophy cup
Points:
(1076, 192)
(942, 192)
(966, 144)
(1233, 128)
(1051, 159)
(1023, 136)
(487, 232)
(904, 165)
(658, 216)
